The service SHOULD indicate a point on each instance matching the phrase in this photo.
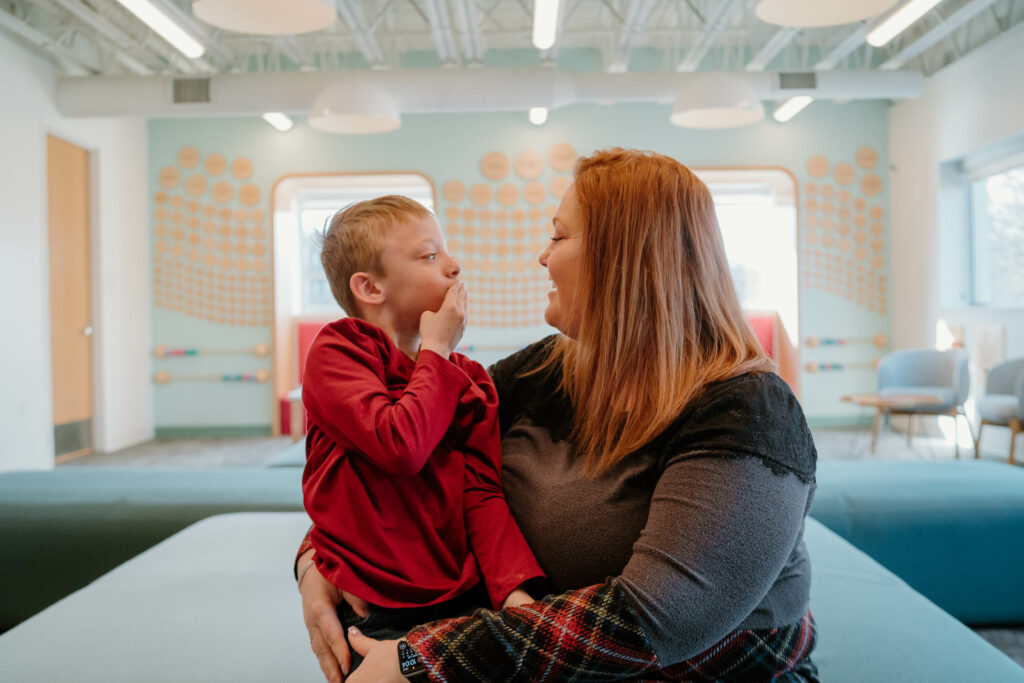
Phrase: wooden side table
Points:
(885, 404)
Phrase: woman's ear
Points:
(366, 289)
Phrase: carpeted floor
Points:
(832, 444)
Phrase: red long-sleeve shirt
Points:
(403, 473)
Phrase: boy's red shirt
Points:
(403, 473)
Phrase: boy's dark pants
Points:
(385, 623)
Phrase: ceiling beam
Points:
(200, 31)
(352, 14)
(436, 12)
(775, 45)
(468, 23)
(943, 29)
(637, 17)
(127, 50)
(64, 58)
(715, 23)
(855, 39)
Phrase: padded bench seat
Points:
(62, 528)
(217, 602)
(954, 531)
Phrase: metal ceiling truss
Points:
(100, 37)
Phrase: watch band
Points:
(409, 663)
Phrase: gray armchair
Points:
(1003, 402)
(942, 376)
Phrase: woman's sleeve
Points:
(719, 532)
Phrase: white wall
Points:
(974, 103)
(123, 393)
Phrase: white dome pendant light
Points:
(266, 17)
(716, 100)
(354, 107)
(813, 13)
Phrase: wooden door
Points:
(70, 309)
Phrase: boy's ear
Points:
(365, 289)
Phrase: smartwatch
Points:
(409, 663)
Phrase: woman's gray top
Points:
(704, 525)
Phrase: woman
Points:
(657, 467)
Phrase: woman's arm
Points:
(719, 532)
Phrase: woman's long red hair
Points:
(657, 310)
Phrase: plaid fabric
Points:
(593, 635)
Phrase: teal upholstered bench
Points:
(217, 602)
(61, 529)
(293, 456)
(954, 531)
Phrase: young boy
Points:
(402, 477)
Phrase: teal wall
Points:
(450, 146)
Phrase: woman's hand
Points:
(380, 663)
(320, 600)
(516, 598)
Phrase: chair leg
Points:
(977, 441)
(874, 428)
(1015, 428)
(910, 428)
(956, 436)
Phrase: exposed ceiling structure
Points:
(100, 37)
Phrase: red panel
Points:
(307, 333)
(764, 328)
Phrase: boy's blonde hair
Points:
(354, 241)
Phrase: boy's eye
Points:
(432, 257)
(556, 238)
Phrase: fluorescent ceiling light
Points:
(899, 21)
(812, 13)
(538, 115)
(278, 120)
(165, 28)
(266, 17)
(545, 23)
(791, 107)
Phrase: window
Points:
(997, 238)
(303, 216)
(756, 211)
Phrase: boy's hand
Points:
(516, 598)
(440, 332)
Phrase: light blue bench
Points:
(954, 531)
(62, 528)
(217, 602)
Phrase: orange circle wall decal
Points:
(481, 194)
(249, 194)
(241, 168)
(169, 177)
(494, 166)
(454, 191)
(529, 164)
(216, 164)
(188, 157)
(867, 157)
(817, 166)
(562, 156)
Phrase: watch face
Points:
(408, 661)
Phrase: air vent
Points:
(804, 80)
(191, 90)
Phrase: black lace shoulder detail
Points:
(752, 415)
(537, 396)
